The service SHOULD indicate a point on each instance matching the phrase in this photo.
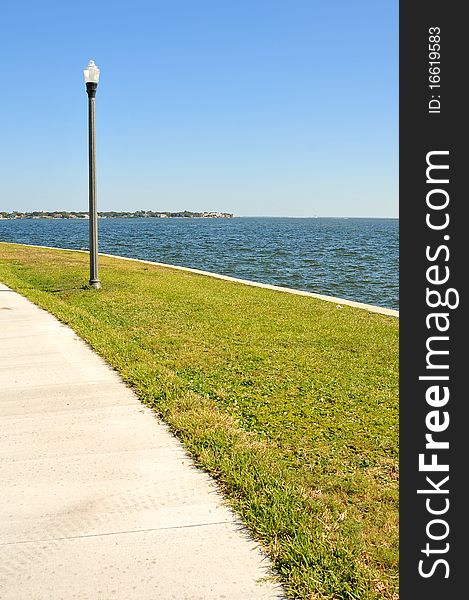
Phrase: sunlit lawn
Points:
(290, 402)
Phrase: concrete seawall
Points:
(340, 301)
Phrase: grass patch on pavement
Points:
(290, 402)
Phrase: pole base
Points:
(95, 283)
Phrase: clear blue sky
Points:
(256, 107)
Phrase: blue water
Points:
(355, 259)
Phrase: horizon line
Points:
(313, 216)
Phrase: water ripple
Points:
(349, 258)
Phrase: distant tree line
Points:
(63, 214)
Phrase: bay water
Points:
(355, 259)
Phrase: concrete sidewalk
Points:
(98, 500)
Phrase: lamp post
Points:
(91, 73)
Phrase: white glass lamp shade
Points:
(91, 73)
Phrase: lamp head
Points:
(91, 73)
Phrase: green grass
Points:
(289, 402)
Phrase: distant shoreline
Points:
(115, 215)
(171, 215)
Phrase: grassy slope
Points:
(290, 402)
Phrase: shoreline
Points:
(341, 301)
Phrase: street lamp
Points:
(91, 73)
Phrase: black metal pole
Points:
(93, 217)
